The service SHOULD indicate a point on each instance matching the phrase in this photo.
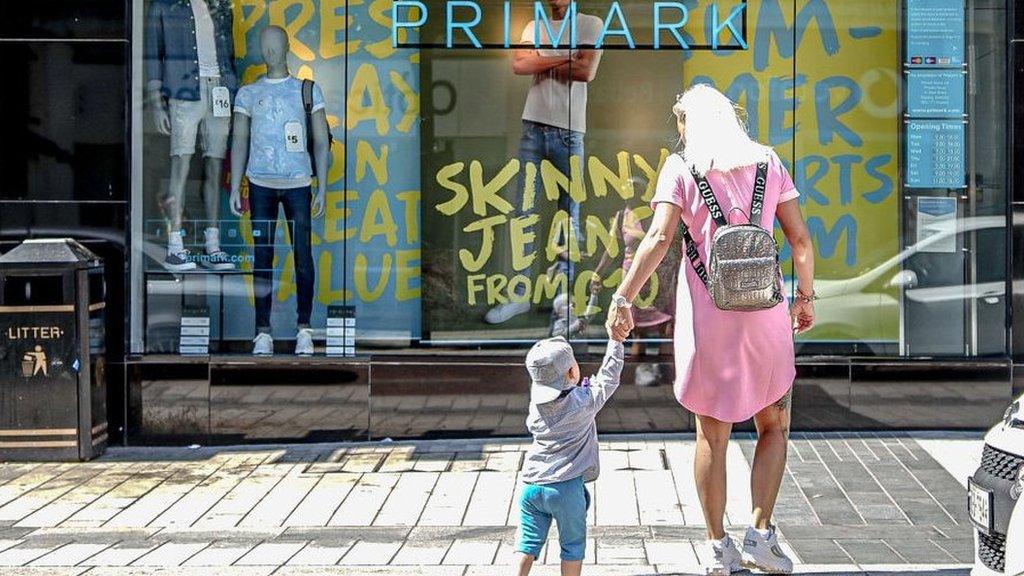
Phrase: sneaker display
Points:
(505, 312)
(761, 551)
(219, 260)
(304, 342)
(215, 259)
(263, 345)
(726, 558)
(178, 261)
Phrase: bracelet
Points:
(806, 298)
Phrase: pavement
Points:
(850, 503)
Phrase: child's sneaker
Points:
(726, 558)
(761, 550)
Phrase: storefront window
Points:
(474, 199)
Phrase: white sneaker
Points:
(505, 312)
(726, 558)
(762, 551)
(304, 342)
(263, 345)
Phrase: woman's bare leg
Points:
(709, 471)
(522, 564)
(769, 459)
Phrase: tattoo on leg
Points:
(785, 402)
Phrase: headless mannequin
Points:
(181, 161)
(180, 165)
(274, 50)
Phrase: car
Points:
(994, 501)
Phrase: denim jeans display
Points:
(263, 206)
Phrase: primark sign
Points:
(642, 25)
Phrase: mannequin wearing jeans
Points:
(554, 120)
(190, 70)
(270, 149)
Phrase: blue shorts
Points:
(566, 503)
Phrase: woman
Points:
(730, 366)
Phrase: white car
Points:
(994, 500)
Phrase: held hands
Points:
(619, 323)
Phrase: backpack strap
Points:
(757, 203)
(704, 188)
(307, 96)
(694, 256)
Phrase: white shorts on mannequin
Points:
(190, 119)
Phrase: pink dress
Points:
(729, 365)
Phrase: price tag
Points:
(293, 139)
(221, 102)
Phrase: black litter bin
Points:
(52, 345)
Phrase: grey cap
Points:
(548, 362)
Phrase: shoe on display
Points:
(505, 312)
(726, 558)
(219, 260)
(216, 259)
(304, 342)
(761, 551)
(647, 375)
(263, 345)
(178, 261)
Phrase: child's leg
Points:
(523, 563)
(570, 511)
(534, 524)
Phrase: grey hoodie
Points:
(564, 431)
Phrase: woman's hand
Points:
(620, 322)
(802, 315)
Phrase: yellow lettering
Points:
(380, 12)
(412, 102)
(326, 294)
(495, 285)
(366, 100)
(252, 73)
(555, 181)
(521, 235)
(278, 17)
(650, 174)
(332, 44)
(519, 289)
(473, 286)
(411, 200)
(530, 186)
(407, 268)
(337, 169)
(378, 220)
(361, 269)
(601, 176)
(485, 194)
(486, 227)
(246, 15)
(597, 232)
(546, 287)
(562, 230)
(376, 162)
(461, 193)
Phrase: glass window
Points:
(482, 192)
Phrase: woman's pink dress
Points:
(729, 365)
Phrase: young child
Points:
(564, 451)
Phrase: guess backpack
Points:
(743, 263)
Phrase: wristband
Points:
(800, 295)
(620, 301)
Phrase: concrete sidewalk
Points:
(850, 502)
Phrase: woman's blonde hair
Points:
(715, 134)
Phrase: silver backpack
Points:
(744, 258)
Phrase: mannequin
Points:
(190, 70)
(269, 147)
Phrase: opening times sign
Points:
(935, 85)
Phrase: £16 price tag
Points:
(293, 138)
(221, 102)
